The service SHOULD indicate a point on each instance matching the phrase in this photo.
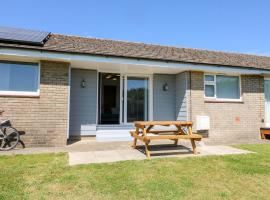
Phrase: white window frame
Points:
(215, 98)
(23, 93)
(267, 124)
(150, 97)
(123, 105)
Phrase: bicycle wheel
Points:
(2, 136)
(9, 138)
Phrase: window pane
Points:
(267, 101)
(109, 98)
(227, 87)
(4, 76)
(209, 91)
(18, 77)
(137, 99)
(209, 78)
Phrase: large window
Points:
(137, 99)
(222, 87)
(19, 78)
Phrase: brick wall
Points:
(230, 122)
(43, 119)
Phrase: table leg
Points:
(179, 132)
(193, 146)
(147, 152)
(146, 143)
(134, 143)
(262, 135)
(192, 140)
(135, 139)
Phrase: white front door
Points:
(267, 102)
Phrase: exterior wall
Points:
(83, 102)
(181, 83)
(230, 122)
(164, 101)
(44, 119)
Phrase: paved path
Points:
(85, 152)
(157, 151)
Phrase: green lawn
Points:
(48, 176)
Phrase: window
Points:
(221, 87)
(19, 78)
(137, 98)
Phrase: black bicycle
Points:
(9, 136)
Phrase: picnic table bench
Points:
(265, 132)
(145, 133)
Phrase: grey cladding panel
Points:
(164, 101)
(83, 102)
(181, 96)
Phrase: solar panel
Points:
(23, 36)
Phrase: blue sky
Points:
(227, 25)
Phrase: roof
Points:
(104, 47)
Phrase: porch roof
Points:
(104, 47)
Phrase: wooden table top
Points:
(162, 123)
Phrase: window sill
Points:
(20, 94)
(223, 101)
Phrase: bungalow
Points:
(58, 87)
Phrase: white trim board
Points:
(68, 57)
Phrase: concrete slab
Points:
(81, 157)
(91, 151)
(131, 154)
(108, 156)
(103, 156)
(220, 150)
(156, 152)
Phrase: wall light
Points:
(165, 87)
(83, 83)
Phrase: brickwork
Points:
(44, 119)
(230, 122)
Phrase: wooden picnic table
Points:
(144, 132)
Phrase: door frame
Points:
(123, 103)
(267, 123)
(123, 97)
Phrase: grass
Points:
(48, 176)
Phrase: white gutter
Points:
(68, 57)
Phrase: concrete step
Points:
(106, 133)
(113, 135)
(115, 127)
